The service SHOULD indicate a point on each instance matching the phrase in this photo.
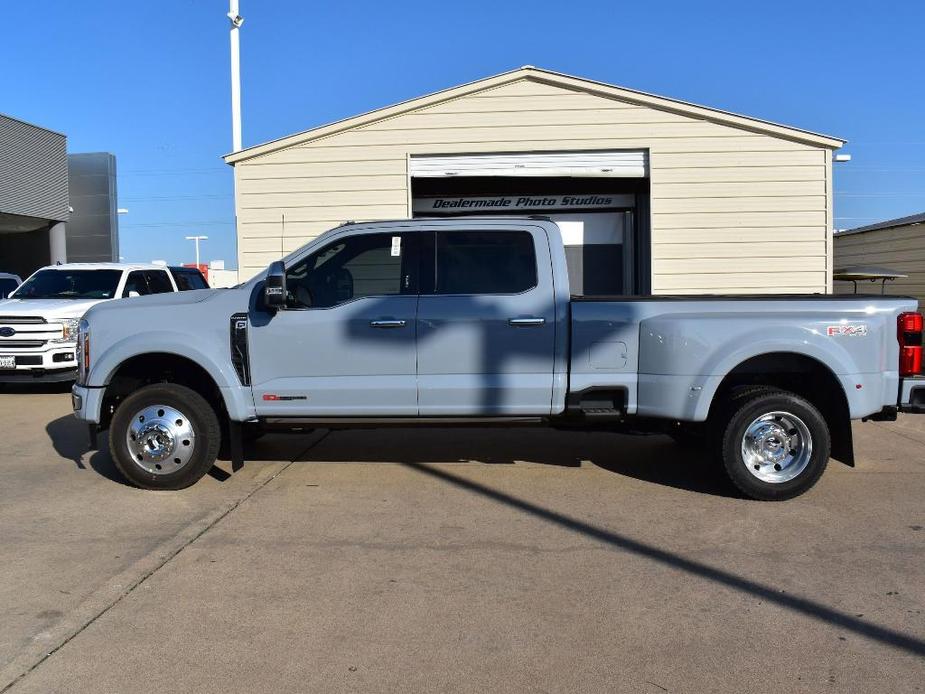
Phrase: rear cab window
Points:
(478, 262)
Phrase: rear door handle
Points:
(526, 322)
(387, 323)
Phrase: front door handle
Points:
(387, 323)
(526, 322)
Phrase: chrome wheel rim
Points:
(777, 447)
(160, 439)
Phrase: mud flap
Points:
(842, 441)
(236, 445)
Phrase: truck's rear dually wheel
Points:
(775, 444)
(164, 436)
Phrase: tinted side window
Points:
(135, 283)
(484, 262)
(158, 281)
(351, 268)
(188, 280)
(6, 286)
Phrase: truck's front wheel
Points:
(775, 444)
(164, 436)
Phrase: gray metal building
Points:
(93, 229)
(33, 196)
(53, 207)
(896, 244)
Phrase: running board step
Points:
(601, 412)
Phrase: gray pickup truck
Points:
(469, 322)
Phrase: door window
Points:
(353, 268)
(135, 283)
(158, 282)
(483, 262)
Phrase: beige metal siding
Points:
(721, 196)
(901, 249)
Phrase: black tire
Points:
(806, 442)
(200, 418)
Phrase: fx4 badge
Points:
(846, 330)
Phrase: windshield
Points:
(70, 284)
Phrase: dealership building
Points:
(54, 207)
(653, 195)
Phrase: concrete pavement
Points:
(462, 560)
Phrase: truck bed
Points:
(669, 355)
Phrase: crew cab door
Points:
(344, 345)
(486, 322)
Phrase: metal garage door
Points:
(600, 164)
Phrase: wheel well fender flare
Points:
(829, 356)
(238, 403)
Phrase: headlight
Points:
(69, 328)
(83, 351)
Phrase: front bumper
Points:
(37, 375)
(87, 403)
(59, 363)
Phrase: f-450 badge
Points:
(846, 330)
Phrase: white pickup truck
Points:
(38, 322)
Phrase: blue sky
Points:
(149, 82)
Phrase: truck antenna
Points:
(282, 236)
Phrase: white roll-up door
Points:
(600, 164)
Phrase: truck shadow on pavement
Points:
(653, 459)
(69, 438)
(806, 607)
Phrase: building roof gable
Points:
(911, 220)
(530, 73)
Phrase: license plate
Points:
(7, 362)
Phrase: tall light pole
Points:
(197, 239)
(236, 21)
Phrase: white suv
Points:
(38, 322)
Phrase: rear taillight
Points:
(909, 326)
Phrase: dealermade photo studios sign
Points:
(521, 203)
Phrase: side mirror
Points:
(132, 294)
(274, 290)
